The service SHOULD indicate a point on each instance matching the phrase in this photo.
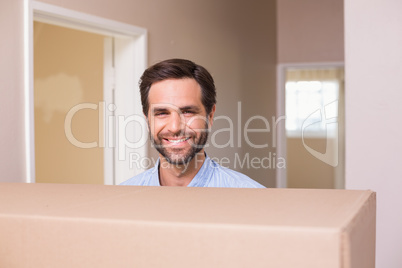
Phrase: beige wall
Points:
(310, 31)
(236, 41)
(12, 154)
(373, 56)
(68, 70)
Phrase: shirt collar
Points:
(200, 180)
(155, 175)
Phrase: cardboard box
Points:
(50, 225)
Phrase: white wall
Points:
(373, 58)
(12, 154)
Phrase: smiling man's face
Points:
(177, 119)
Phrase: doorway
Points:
(68, 71)
(313, 133)
(96, 148)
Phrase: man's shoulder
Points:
(142, 179)
(225, 177)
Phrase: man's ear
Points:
(146, 119)
(211, 115)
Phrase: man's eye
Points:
(160, 113)
(188, 112)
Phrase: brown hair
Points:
(178, 69)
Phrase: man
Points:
(178, 100)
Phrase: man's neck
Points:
(179, 175)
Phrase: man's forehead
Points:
(177, 92)
(179, 84)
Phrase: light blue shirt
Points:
(211, 174)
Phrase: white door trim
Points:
(281, 180)
(109, 81)
(135, 47)
(28, 93)
(81, 21)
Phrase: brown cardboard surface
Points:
(49, 225)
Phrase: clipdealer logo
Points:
(328, 117)
(239, 133)
(117, 125)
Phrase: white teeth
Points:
(177, 141)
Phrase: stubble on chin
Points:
(196, 145)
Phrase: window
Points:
(312, 102)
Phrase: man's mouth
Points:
(177, 141)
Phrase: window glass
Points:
(310, 105)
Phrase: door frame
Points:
(281, 173)
(130, 61)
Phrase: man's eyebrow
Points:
(190, 107)
(183, 108)
(159, 109)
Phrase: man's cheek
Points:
(196, 123)
(155, 126)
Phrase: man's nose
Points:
(176, 124)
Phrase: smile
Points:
(178, 140)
